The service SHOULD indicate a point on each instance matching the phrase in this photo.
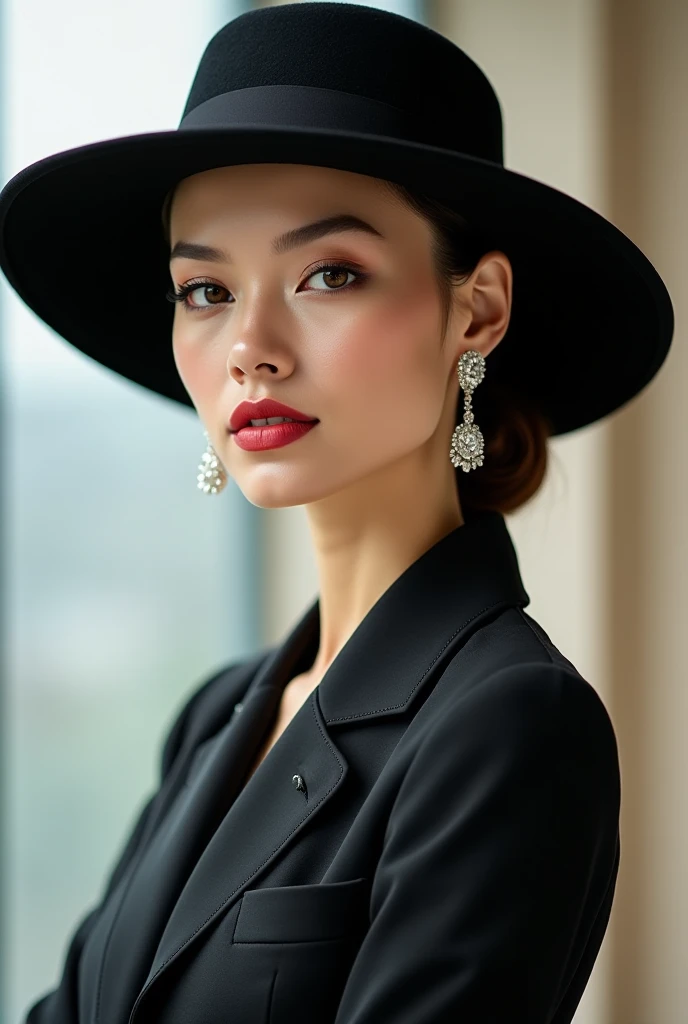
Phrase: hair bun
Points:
(516, 451)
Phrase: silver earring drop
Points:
(211, 473)
(468, 444)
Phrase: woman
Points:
(408, 811)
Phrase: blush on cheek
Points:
(180, 361)
(370, 370)
(187, 368)
(195, 373)
(404, 328)
(404, 368)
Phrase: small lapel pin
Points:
(299, 783)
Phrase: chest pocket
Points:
(297, 943)
(303, 913)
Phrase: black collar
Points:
(469, 575)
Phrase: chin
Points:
(270, 494)
(276, 503)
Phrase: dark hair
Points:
(515, 430)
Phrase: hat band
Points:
(305, 106)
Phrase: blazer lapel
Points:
(401, 646)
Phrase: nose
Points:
(261, 347)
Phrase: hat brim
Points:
(591, 321)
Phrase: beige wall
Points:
(594, 94)
(647, 497)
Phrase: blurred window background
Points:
(120, 576)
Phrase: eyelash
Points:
(192, 286)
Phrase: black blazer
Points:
(433, 838)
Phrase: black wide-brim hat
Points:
(356, 88)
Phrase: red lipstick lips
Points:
(266, 408)
(269, 435)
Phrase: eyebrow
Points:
(283, 243)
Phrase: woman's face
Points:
(357, 347)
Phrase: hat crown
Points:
(441, 96)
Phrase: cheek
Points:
(386, 362)
(196, 361)
(182, 354)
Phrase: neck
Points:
(366, 537)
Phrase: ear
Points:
(486, 298)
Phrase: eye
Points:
(195, 286)
(325, 270)
(336, 271)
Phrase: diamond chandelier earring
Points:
(211, 473)
(468, 444)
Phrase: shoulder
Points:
(517, 737)
(512, 692)
(512, 637)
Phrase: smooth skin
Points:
(365, 356)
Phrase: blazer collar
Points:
(471, 573)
